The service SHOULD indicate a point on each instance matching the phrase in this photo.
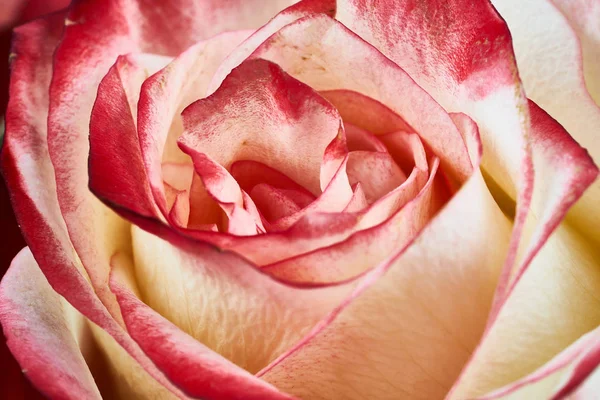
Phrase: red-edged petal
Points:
(223, 188)
(549, 56)
(573, 373)
(26, 163)
(360, 139)
(248, 307)
(197, 369)
(557, 261)
(297, 11)
(165, 94)
(426, 322)
(262, 114)
(35, 323)
(365, 112)
(116, 169)
(377, 172)
(364, 249)
(309, 50)
(276, 203)
(251, 173)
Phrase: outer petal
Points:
(573, 371)
(550, 64)
(583, 16)
(460, 53)
(411, 325)
(241, 313)
(201, 372)
(36, 325)
(522, 338)
(26, 163)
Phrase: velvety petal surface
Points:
(223, 302)
(36, 323)
(426, 323)
(198, 370)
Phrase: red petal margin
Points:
(26, 163)
(38, 334)
(474, 73)
(368, 339)
(198, 370)
(565, 171)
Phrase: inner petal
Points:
(275, 203)
(377, 172)
(262, 114)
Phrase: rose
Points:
(322, 223)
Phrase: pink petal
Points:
(360, 139)
(365, 112)
(179, 176)
(164, 95)
(583, 16)
(277, 203)
(262, 114)
(26, 163)
(364, 249)
(474, 73)
(377, 172)
(572, 372)
(358, 201)
(38, 332)
(297, 11)
(251, 173)
(411, 323)
(309, 50)
(115, 163)
(223, 188)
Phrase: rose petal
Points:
(164, 95)
(262, 114)
(26, 163)
(309, 50)
(116, 170)
(425, 318)
(550, 63)
(377, 172)
(256, 317)
(583, 16)
(36, 324)
(360, 139)
(277, 203)
(560, 376)
(223, 188)
(554, 262)
(473, 73)
(365, 112)
(358, 202)
(297, 11)
(364, 249)
(198, 370)
(251, 173)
